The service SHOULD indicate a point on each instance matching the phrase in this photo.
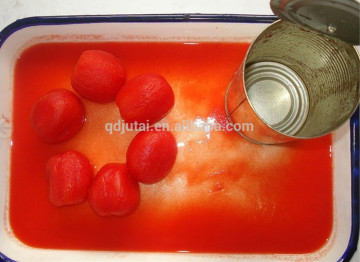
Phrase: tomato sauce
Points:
(223, 195)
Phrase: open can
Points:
(300, 77)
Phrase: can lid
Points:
(338, 18)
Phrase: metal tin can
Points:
(297, 82)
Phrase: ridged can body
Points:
(294, 83)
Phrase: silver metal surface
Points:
(295, 83)
(338, 18)
(278, 95)
(328, 66)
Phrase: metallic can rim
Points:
(290, 136)
(322, 16)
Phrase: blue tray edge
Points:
(214, 18)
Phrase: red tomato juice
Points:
(223, 195)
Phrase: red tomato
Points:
(151, 155)
(57, 116)
(98, 76)
(69, 176)
(145, 97)
(113, 191)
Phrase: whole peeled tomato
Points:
(98, 76)
(151, 155)
(145, 97)
(57, 116)
(69, 175)
(113, 191)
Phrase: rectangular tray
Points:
(178, 27)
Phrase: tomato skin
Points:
(98, 76)
(147, 97)
(57, 116)
(69, 175)
(114, 191)
(151, 155)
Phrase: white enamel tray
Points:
(190, 27)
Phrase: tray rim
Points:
(204, 18)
